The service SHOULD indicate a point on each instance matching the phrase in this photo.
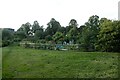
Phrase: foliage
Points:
(25, 28)
(95, 35)
(109, 36)
(39, 34)
(72, 24)
(19, 36)
(73, 34)
(58, 36)
(62, 30)
(53, 27)
(88, 36)
(22, 32)
(35, 26)
(38, 31)
(7, 36)
(48, 38)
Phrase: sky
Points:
(14, 13)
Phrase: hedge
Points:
(50, 46)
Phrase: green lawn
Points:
(19, 62)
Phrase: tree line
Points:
(95, 35)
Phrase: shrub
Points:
(5, 43)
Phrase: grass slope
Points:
(30, 63)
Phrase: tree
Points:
(19, 36)
(109, 36)
(7, 36)
(37, 30)
(62, 30)
(80, 29)
(22, 32)
(90, 30)
(71, 31)
(53, 27)
(72, 23)
(58, 37)
(35, 26)
(25, 28)
(84, 39)
(48, 38)
(39, 34)
(72, 34)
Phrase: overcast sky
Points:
(14, 13)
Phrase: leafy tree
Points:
(71, 31)
(22, 32)
(72, 23)
(48, 38)
(58, 36)
(53, 27)
(62, 30)
(35, 26)
(19, 35)
(80, 29)
(72, 34)
(25, 28)
(7, 36)
(90, 30)
(109, 36)
(84, 39)
(38, 31)
(39, 34)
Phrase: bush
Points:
(53, 46)
(27, 45)
(5, 43)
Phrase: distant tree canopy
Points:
(7, 36)
(95, 35)
(109, 36)
(89, 33)
(53, 27)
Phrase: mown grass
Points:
(19, 62)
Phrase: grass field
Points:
(19, 62)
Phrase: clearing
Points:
(21, 62)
